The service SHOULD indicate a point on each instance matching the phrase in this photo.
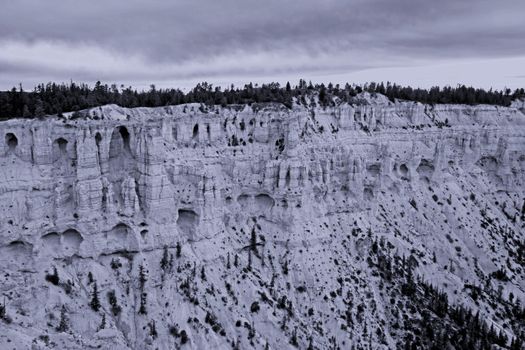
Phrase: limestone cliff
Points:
(250, 204)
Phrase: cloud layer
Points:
(176, 43)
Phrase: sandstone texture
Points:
(251, 204)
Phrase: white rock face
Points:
(265, 203)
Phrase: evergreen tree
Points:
(293, 339)
(53, 278)
(142, 277)
(178, 250)
(285, 267)
(152, 329)
(203, 274)
(253, 242)
(142, 308)
(54, 98)
(95, 302)
(2, 311)
(112, 299)
(63, 325)
(103, 322)
(183, 337)
(165, 261)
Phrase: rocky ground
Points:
(367, 225)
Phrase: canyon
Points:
(257, 226)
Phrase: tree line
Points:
(53, 98)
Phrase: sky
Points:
(179, 43)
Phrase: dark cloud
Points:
(155, 40)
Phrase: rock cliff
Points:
(253, 226)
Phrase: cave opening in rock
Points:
(187, 220)
(20, 245)
(119, 238)
(264, 201)
(19, 251)
(71, 240)
(98, 139)
(368, 194)
(243, 199)
(403, 169)
(425, 167)
(374, 169)
(11, 141)
(61, 144)
(196, 131)
(51, 242)
(119, 149)
(124, 133)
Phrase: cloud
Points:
(92, 62)
(159, 41)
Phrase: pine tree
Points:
(285, 267)
(165, 261)
(178, 249)
(103, 322)
(310, 344)
(253, 242)
(152, 329)
(53, 278)
(142, 308)
(53, 98)
(323, 99)
(142, 277)
(63, 325)
(95, 302)
(293, 339)
(183, 337)
(112, 299)
(2, 311)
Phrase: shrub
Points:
(183, 337)
(112, 298)
(53, 278)
(255, 307)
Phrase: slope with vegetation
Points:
(365, 225)
(55, 98)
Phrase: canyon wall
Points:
(126, 185)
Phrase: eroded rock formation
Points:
(122, 184)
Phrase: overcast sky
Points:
(178, 43)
